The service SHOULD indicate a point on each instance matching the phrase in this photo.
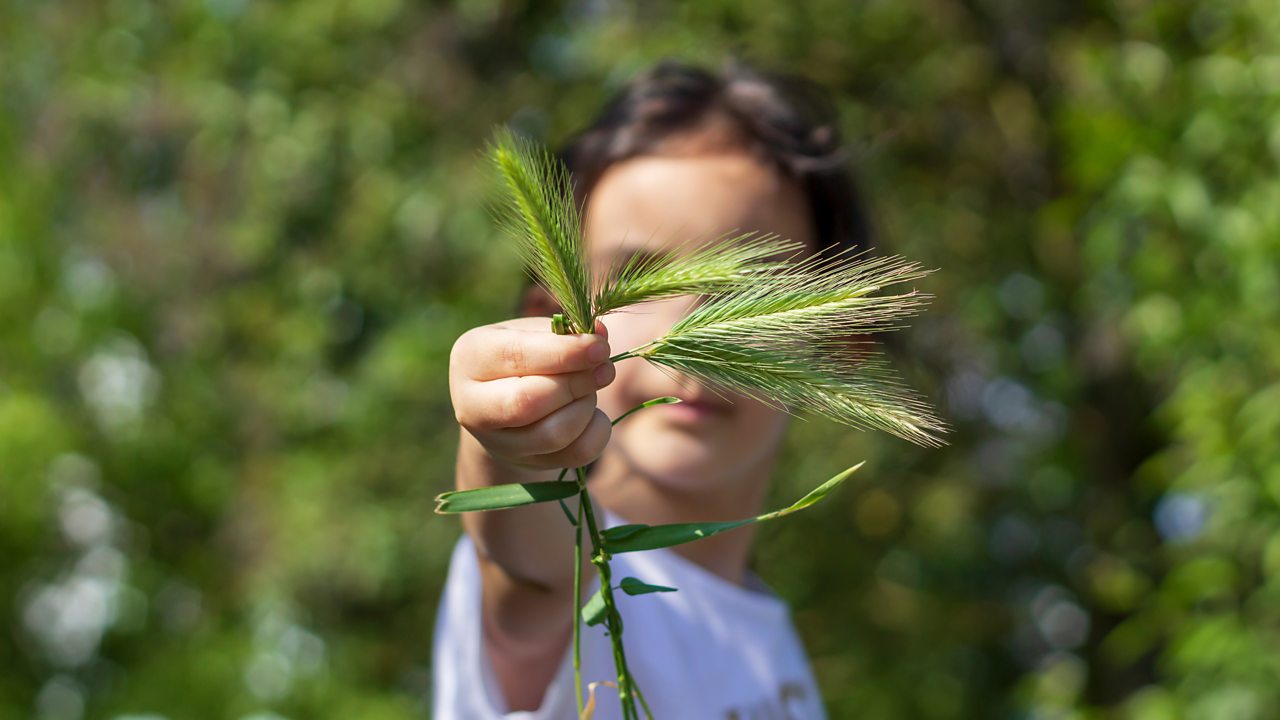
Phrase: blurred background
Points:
(237, 240)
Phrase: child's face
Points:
(659, 204)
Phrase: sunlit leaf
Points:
(668, 400)
(501, 497)
(593, 613)
(636, 537)
(632, 586)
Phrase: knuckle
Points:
(591, 443)
(571, 455)
(582, 453)
(565, 427)
(476, 338)
(575, 353)
(554, 437)
(520, 407)
(458, 353)
(463, 411)
(563, 356)
(541, 462)
(513, 355)
(610, 373)
(582, 384)
(574, 456)
(464, 339)
(474, 422)
(602, 427)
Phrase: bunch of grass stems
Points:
(776, 328)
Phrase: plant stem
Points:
(577, 610)
(613, 620)
(634, 352)
(627, 690)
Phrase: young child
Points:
(680, 154)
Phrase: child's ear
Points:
(537, 302)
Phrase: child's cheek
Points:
(614, 398)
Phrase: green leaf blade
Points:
(818, 493)
(502, 497)
(653, 537)
(593, 612)
(637, 538)
(634, 586)
(667, 400)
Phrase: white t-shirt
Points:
(710, 651)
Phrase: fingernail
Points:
(598, 352)
(604, 375)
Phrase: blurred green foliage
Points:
(237, 240)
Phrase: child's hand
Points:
(529, 396)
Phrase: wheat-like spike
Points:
(725, 263)
(780, 332)
(538, 211)
(819, 297)
(855, 388)
(866, 392)
(786, 339)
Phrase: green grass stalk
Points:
(577, 609)
(613, 619)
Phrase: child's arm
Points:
(526, 401)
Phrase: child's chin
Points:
(679, 464)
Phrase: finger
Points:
(550, 434)
(514, 402)
(583, 450)
(497, 351)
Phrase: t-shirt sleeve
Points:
(464, 684)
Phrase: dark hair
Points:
(786, 120)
